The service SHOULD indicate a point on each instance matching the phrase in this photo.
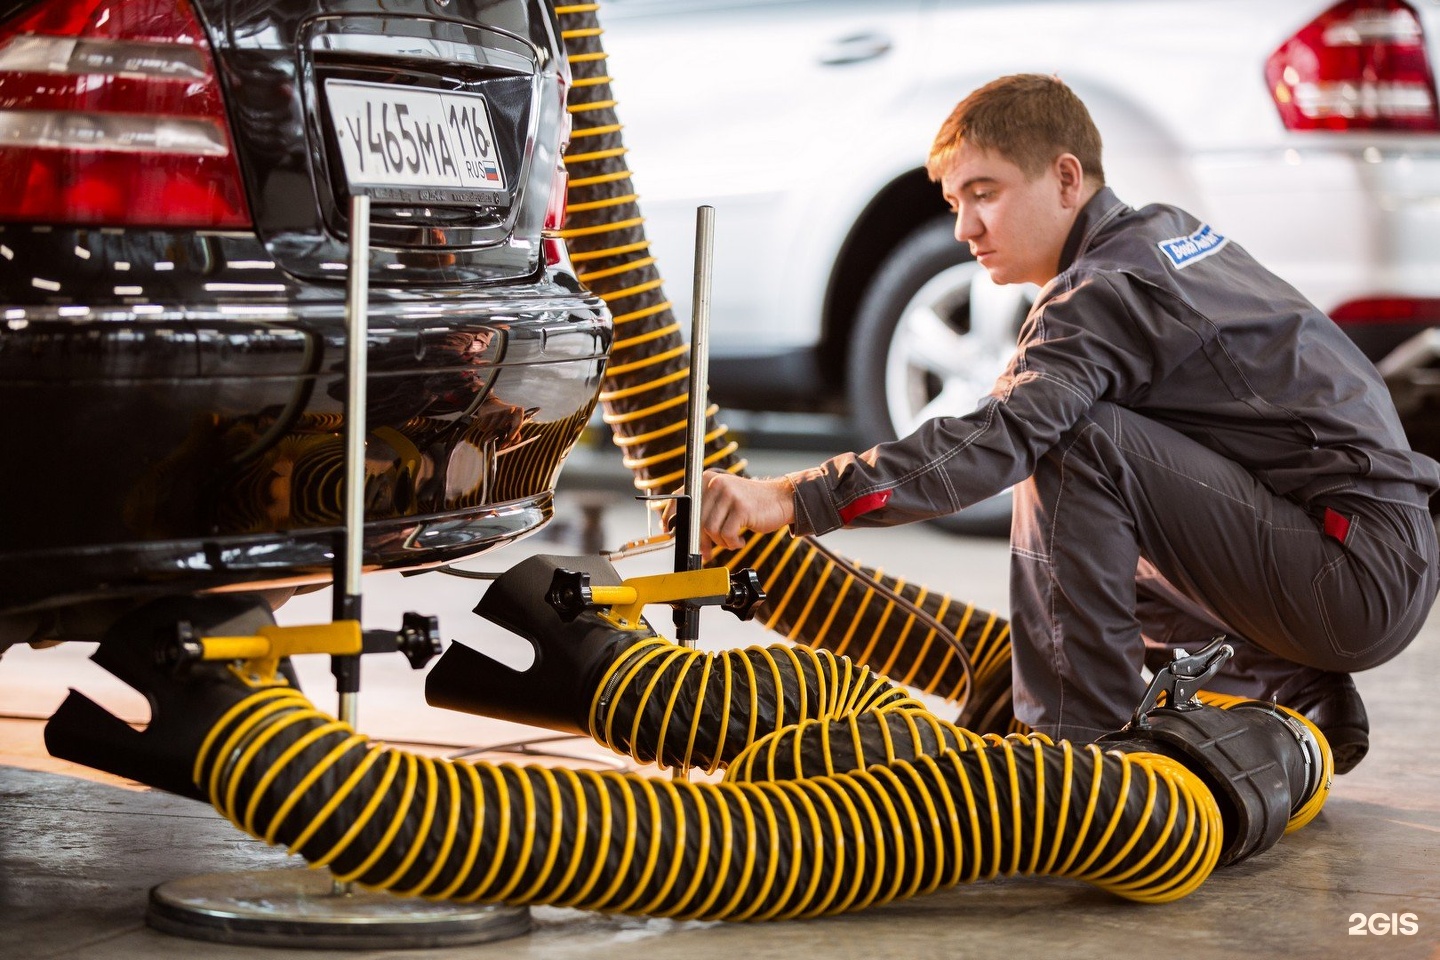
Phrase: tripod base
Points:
(299, 908)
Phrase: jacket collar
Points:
(1099, 211)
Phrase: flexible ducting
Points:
(841, 791)
(954, 809)
(924, 639)
(794, 712)
(1141, 826)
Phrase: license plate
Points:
(422, 143)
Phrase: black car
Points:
(175, 179)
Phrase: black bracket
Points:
(1182, 678)
(418, 639)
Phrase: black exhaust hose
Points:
(423, 826)
(635, 692)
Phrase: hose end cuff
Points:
(556, 690)
(186, 700)
(1248, 755)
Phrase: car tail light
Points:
(1360, 65)
(554, 246)
(1391, 310)
(110, 113)
(555, 216)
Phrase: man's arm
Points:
(1080, 345)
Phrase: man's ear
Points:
(1071, 177)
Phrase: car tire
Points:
(918, 351)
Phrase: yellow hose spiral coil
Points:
(1138, 825)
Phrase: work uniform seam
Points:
(1105, 218)
(1055, 638)
(1340, 485)
(832, 503)
(949, 490)
(1059, 381)
(1319, 597)
(1137, 455)
(808, 522)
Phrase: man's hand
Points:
(731, 505)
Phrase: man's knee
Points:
(1089, 449)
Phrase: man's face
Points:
(1015, 226)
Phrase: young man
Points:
(1194, 447)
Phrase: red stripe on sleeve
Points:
(862, 506)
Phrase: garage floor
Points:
(79, 852)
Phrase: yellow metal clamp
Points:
(261, 654)
(622, 605)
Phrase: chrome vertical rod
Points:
(687, 617)
(699, 365)
(357, 312)
(350, 560)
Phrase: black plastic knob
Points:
(569, 594)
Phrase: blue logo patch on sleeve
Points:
(1183, 251)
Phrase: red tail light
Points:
(553, 245)
(1361, 65)
(555, 216)
(110, 113)
(1392, 310)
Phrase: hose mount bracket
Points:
(1181, 679)
(571, 593)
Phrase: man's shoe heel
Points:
(1349, 746)
(1334, 706)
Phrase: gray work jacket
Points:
(1157, 312)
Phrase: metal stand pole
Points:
(300, 907)
(349, 564)
(350, 559)
(687, 543)
(687, 514)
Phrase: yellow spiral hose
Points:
(1138, 825)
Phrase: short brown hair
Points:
(1028, 119)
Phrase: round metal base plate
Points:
(298, 908)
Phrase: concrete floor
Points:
(78, 852)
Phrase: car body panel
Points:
(154, 433)
(275, 61)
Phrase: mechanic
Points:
(1195, 448)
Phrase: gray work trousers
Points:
(1130, 533)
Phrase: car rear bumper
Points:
(155, 447)
(40, 580)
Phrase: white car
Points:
(1305, 130)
